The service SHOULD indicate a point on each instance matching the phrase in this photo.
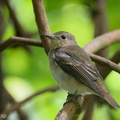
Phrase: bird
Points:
(73, 69)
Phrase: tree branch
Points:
(27, 41)
(95, 45)
(19, 30)
(115, 59)
(21, 114)
(90, 108)
(102, 41)
(99, 17)
(17, 105)
(71, 110)
(42, 22)
(3, 100)
(19, 41)
(105, 62)
(100, 23)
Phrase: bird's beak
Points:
(49, 36)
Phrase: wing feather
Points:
(82, 71)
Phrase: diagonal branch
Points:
(115, 59)
(17, 105)
(19, 29)
(21, 114)
(103, 41)
(105, 62)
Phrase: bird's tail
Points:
(111, 101)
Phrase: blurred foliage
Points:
(26, 73)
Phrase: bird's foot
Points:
(71, 98)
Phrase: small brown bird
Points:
(73, 69)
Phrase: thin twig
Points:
(102, 41)
(21, 114)
(105, 62)
(18, 28)
(19, 41)
(17, 105)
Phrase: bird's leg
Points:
(71, 97)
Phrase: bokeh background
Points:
(28, 72)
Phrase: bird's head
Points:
(61, 39)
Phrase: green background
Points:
(26, 73)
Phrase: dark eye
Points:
(63, 37)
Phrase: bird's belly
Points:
(68, 82)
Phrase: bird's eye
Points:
(63, 37)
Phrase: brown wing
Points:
(81, 69)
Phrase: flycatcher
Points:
(73, 69)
